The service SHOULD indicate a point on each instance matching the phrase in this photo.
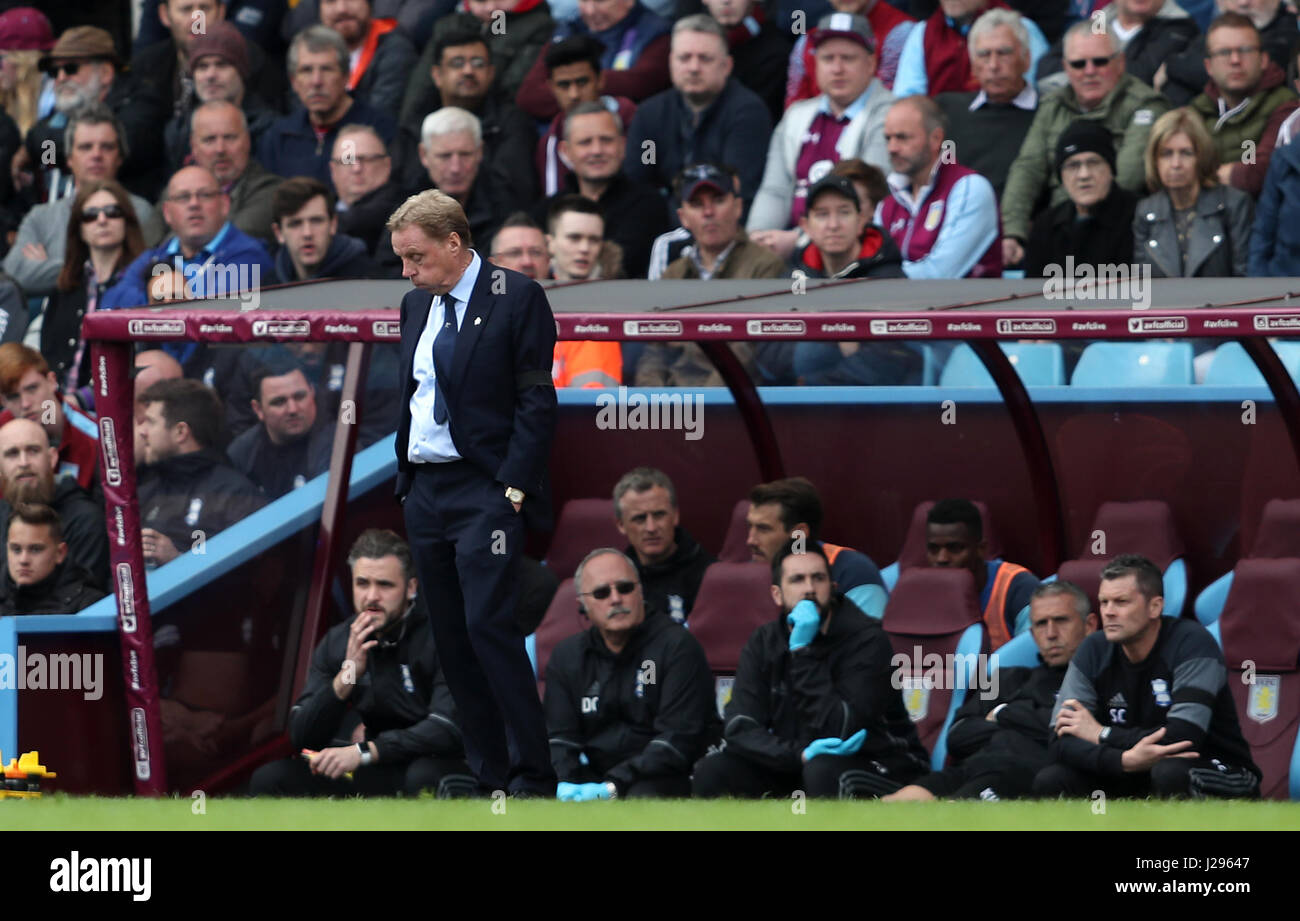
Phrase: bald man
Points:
(27, 464)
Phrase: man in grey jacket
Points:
(96, 146)
(846, 120)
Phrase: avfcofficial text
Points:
(953, 672)
(1106, 281)
(677, 411)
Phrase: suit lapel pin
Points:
(478, 320)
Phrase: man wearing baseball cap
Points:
(84, 63)
(1096, 225)
(718, 248)
(935, 57)
(843, 243)
(846, 120)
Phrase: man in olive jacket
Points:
(1121, 102)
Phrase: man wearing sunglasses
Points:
(94, 146)
(84, 64)
(1150, 32)
(813, 707)
(633, 694)
(1099, 89)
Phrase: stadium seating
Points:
(1232, 367)
(562, 621)
(1261, 647)
(1134, 364)
(735, 546)
(1133, 527)
(1278, 537)
(934, 611)
(582, 526)
(1039, 364)
(913, 549)
(734, 600)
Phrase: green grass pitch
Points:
(59, 812)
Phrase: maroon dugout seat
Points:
(583, 526)
(1086, 574)
(1135, 527)
(1260, 633)
(1131, 527)
(734, 600)
(735, 546)
(930, 613)
(1278, 536)
(562, 621)
(913, 550)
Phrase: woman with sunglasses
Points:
(103, 237)
(1192, 225)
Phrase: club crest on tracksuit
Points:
(1261, 706)
(1160, 688)
(196, 509)
(916, 696)
(406, 679)
(934, 215)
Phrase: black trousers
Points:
(725, 773)
(467, 541)
(1171, 777)
(448, 777)
(989, 775)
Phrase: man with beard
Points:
(27, 476)
(40, 577)
(813, 707)
(84, 65)
(382, 56)
(376, 709)
(287, 448)
(188, 491)
(30, 390)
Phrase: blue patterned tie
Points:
(444, 346)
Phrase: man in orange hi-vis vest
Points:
(954, 537)
(779, 509)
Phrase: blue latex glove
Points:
(832, 746)
(805, 620)
(581, 792)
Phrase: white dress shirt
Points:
(430, 441)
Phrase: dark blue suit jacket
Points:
(501, 403)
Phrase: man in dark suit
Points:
(472, 470)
